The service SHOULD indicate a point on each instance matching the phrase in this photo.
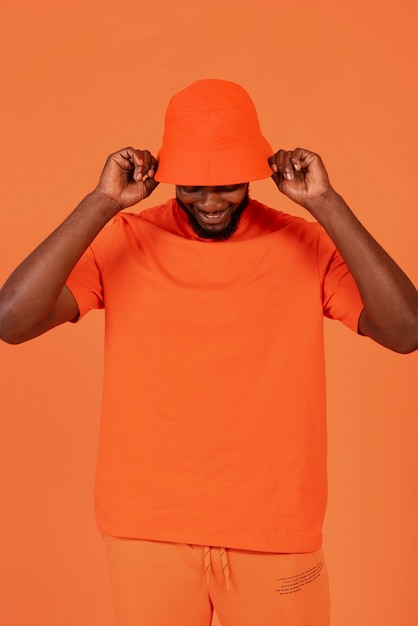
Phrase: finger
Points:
(138, 161)
(150, 184)
(297, 155)
(272, 162)
(119, 163)
(145, 164)
(275, 161)
(303, 158)
(282, 165)
(150, 166)
(125, 157)
(288, 168)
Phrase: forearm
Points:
(390, 299)
(31, 292)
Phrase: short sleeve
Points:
(85, 284)
(340, 295)
(85, 280)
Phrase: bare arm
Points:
(35, 298)
(390, 314)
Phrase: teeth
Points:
(212, 215)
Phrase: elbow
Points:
(8, 335)
(408, 338)
(9, 328)
(10, 339)
(406, 348)
(413, 343)
(399, 335)
(5, 334)
(14, 332)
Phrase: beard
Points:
(220, 235)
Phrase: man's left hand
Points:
(300, 175)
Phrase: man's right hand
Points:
(128, 177)
(34, 298)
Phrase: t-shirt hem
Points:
(277, 547)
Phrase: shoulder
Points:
(162, 217)
(271, 220)
(157, 215)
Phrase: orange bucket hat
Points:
(212, 137)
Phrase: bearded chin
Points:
(220, 235)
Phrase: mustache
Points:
(220, 235)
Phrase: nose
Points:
(210, 202)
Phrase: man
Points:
(211, 480)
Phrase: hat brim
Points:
(214, 167)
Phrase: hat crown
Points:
(210, 94)
(211, 115)
(212, 137)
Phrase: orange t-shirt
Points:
(213, 427)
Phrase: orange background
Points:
(82, 79)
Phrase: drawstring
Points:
(207, 563)
(224, 563)
(225, 566)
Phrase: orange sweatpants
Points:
(169, 584)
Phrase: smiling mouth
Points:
(213, 216)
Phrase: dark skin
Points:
(35, 299)
(390, 314)
(213, 212)
(212, 207)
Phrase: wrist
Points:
(324, 204)
(104, 204)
